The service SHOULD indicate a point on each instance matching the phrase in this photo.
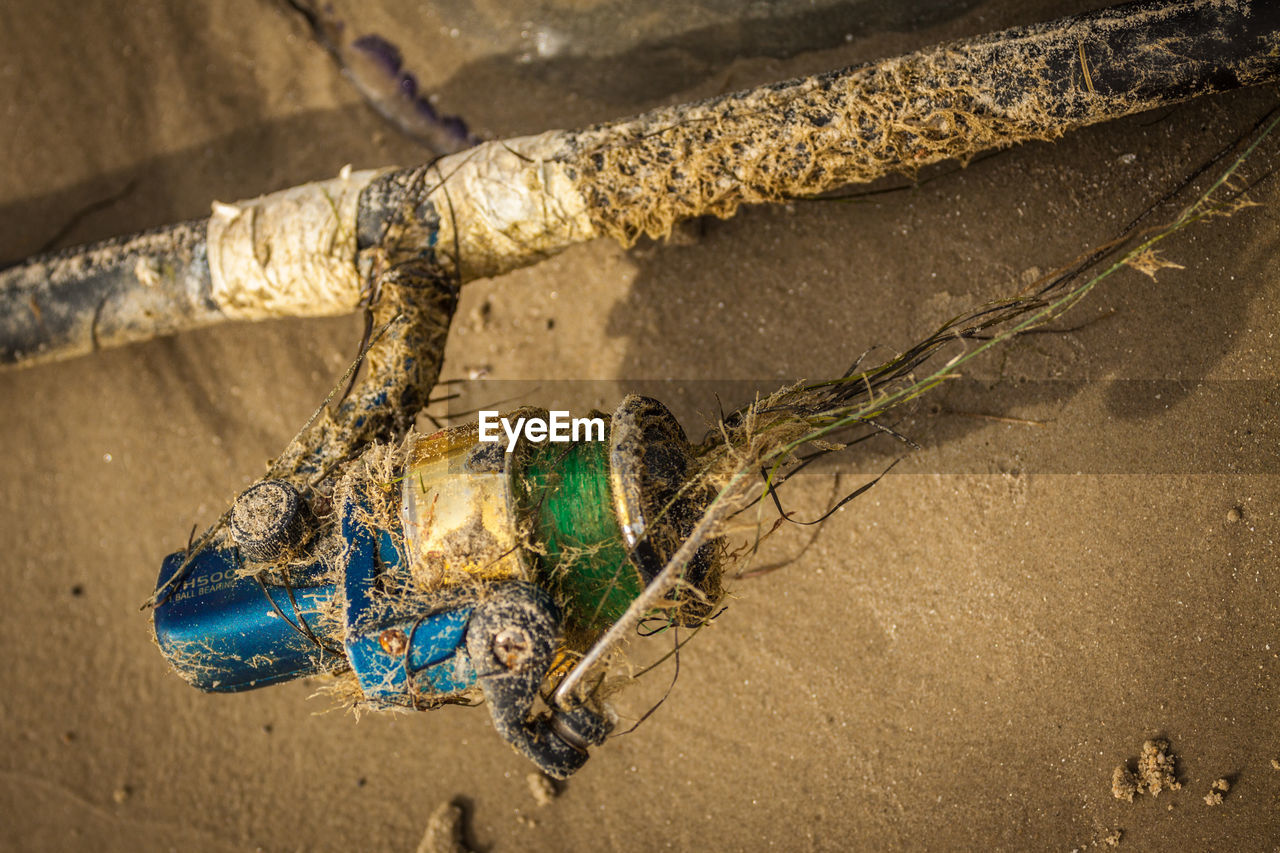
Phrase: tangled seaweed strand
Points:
(769, 433)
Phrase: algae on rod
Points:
(510, 203)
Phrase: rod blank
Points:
(510, 203)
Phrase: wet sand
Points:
(1081, 558)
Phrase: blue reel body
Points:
(225, 630)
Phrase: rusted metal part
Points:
(393, 641)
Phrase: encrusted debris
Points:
(1216, 792)
(444, 831)
(542, 788)
(1156, 768)
(1124, 785)
(1155, 773)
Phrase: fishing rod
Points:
(318, 249)
(456, 567)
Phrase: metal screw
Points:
(512, 647)
(393, 641)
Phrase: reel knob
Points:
(266, 520)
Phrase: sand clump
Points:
(1111, 839)
(542, 788)
(1124, 785)
(444, 833)
(1216, 792)
(1155, 773)
(1156, 768)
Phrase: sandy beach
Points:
(1081, 557)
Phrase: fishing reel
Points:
(440, 569)
(447, 569)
